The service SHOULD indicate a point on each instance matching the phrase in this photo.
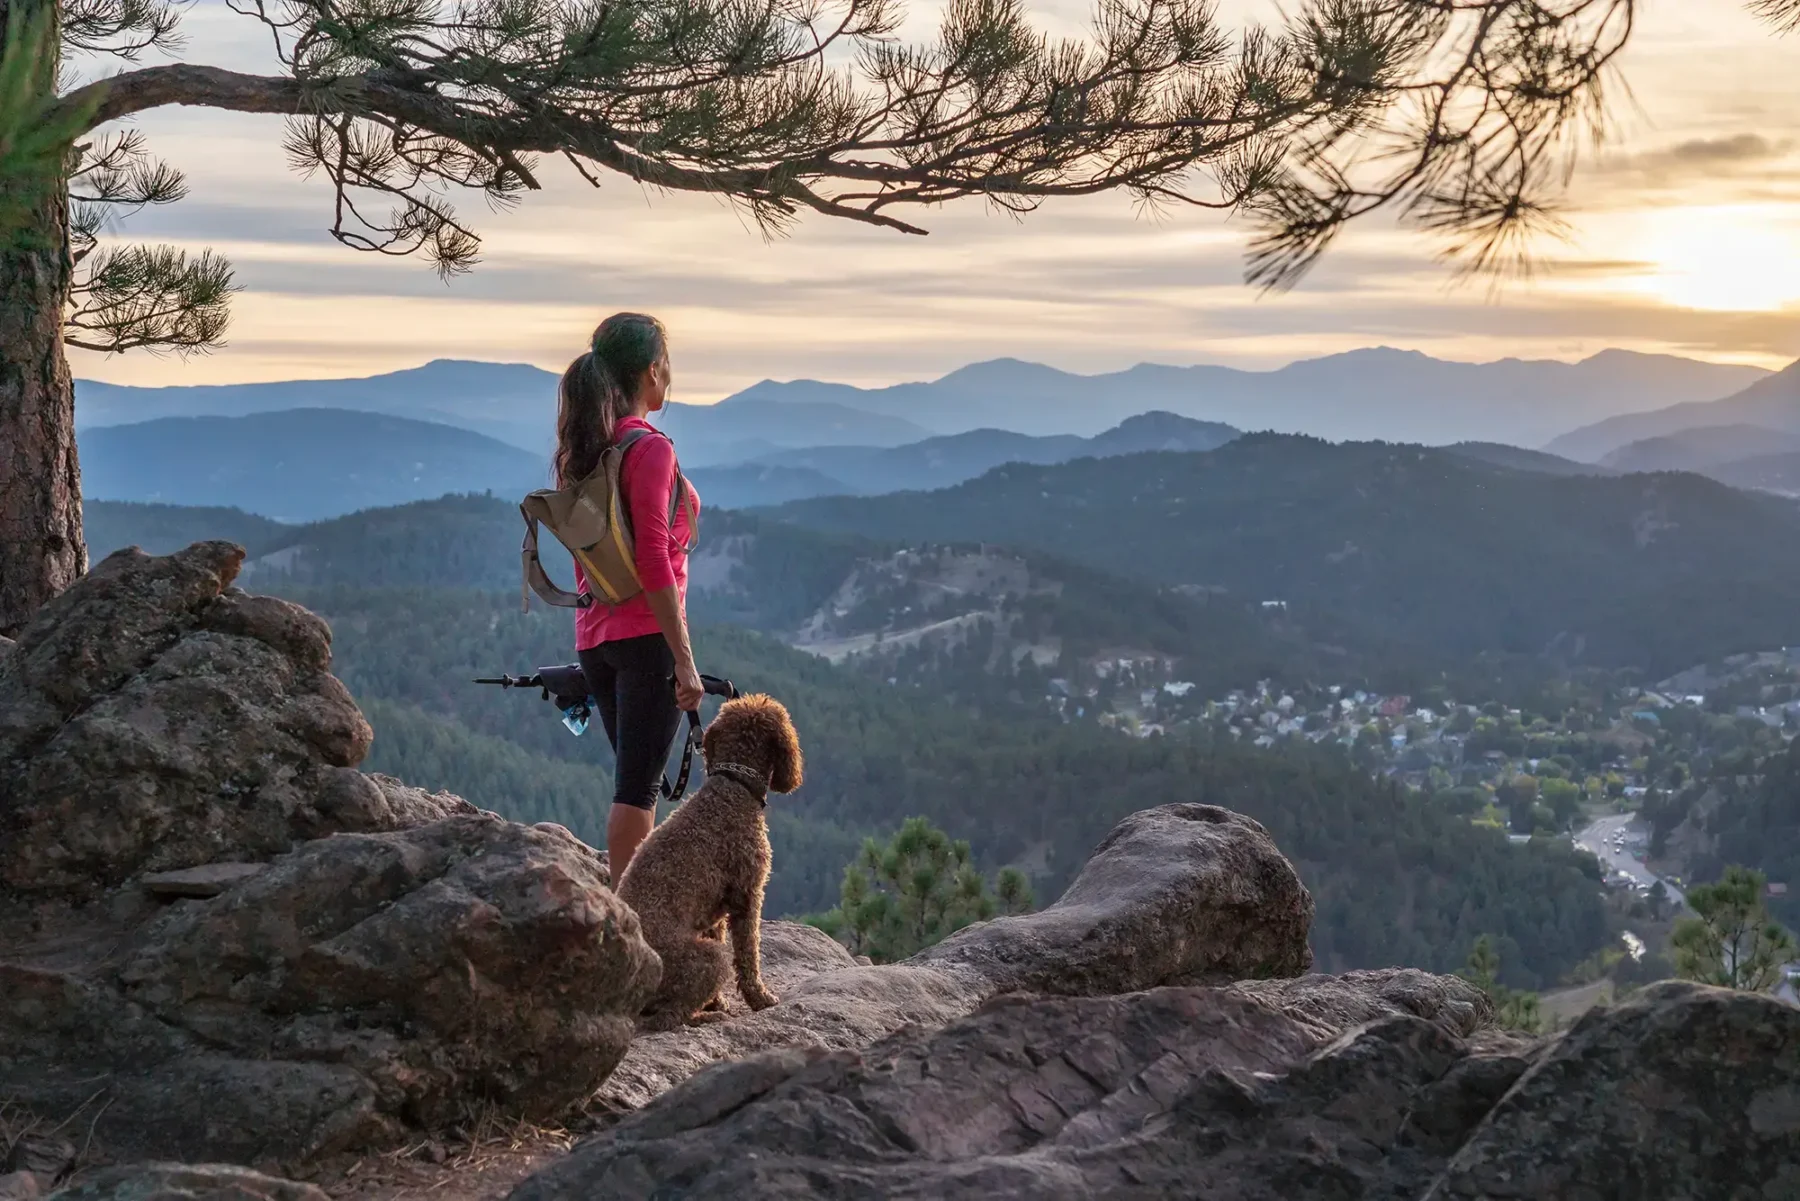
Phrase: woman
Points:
(636, 655)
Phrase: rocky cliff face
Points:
(265, 953)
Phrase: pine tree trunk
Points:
(41, 548)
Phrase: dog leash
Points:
(716, 686)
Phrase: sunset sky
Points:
(1687, 241)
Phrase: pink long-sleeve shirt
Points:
(646, 479)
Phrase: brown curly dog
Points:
(707, 865)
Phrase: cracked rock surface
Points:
(1682, 1093)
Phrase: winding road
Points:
(1597, 838)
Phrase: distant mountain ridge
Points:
(1772, 402)
(1702, 448)
(509, 402)
(313, 464)
(951, 459)
(298, 464)
(301, 465)
(1380, 393)
(512, 403)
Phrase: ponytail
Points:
(596, 391)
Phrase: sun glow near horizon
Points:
(1721, 258)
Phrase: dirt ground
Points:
(486, 1172)
(480, 1164)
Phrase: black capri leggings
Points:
(633, 682)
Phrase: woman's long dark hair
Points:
(597, 390)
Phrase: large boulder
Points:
(1679, 1091)
(360, 986)
(153, 717)
(1189, 1092)
(263, 952)
(1176, 894)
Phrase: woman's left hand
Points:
(688, 690)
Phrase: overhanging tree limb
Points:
(737, 99)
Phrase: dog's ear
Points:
(787, 766)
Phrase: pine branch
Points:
(1463, 116)
(412, 101)
(1784, 15)
(122, 28)
(151, 297)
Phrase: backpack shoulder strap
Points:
(680, 495)
(632, 437)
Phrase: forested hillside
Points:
(161, 529)
(1456, 556)
(1740, 810)
(1398, 879)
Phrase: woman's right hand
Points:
(688, 690)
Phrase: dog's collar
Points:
(757, 782)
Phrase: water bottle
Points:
(576, 718)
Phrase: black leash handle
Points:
(716, 686)
(568, 684)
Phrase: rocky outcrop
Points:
(263, 952)
(1680, 1091)
(187, 1182)
(267, 955)
(1216, 1094)
(152, 718)
(1173, 894)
